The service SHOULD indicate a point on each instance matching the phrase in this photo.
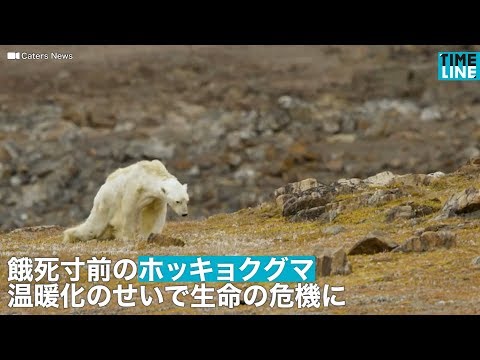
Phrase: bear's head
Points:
(176, 195)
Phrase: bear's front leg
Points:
(160, 220)
(129, 226)
(128, 215)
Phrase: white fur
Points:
(132, 204)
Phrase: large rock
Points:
(331, 261)
(380, 179)
(418, 179)
(411, 179)
(296, 187)
(308, 214)
(408, 211)
(462, 203)
(383, 196)
(372, 244)
(429, 240)
(281, 200)
(350, 183)
(307, 204)
(110, 117)
(320, 213)
(294, 205)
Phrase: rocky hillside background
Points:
(397, 244)
(234, 122)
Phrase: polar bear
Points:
(132, 204)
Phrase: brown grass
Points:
(436, 282)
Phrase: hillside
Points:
(425, 228)
(234, 122)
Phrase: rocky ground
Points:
(234, 122)
(286, 150)
(398, 244)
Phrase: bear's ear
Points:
(185, 186)
(163, 190)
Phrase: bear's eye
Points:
(178, 202)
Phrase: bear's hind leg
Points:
(93, 228)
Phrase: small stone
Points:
(331, 126)
(436, 175)
(285, 101)
(341, 138)
(476, 261)
(371, 245)
(194, 171)
(330, 261)
(430, 114)
(234, 159)
(333, 230)
(15, 180)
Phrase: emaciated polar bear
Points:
(132, 204)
